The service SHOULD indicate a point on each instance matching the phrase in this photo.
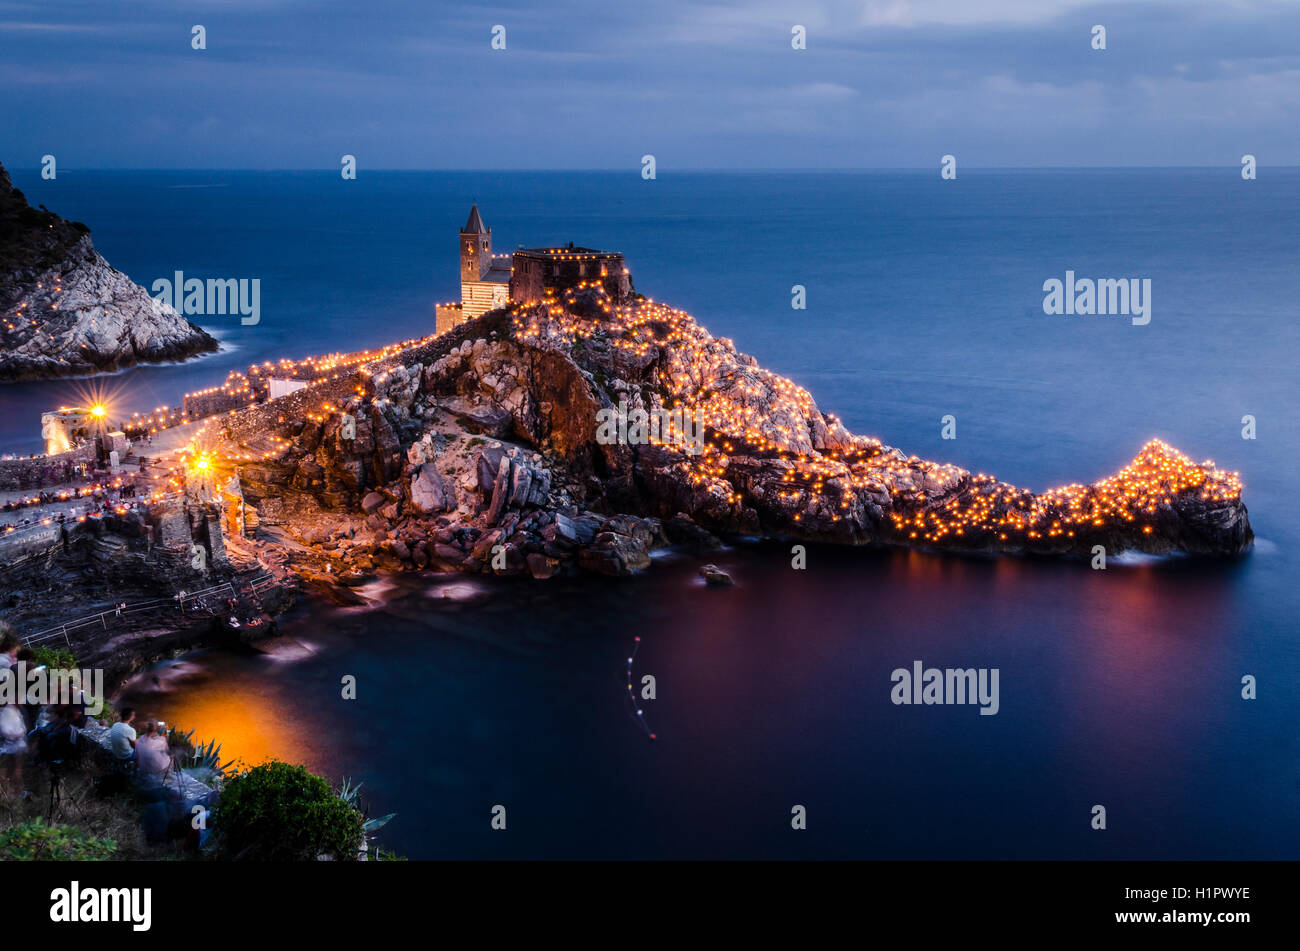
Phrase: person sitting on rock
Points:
(152, 756)
(121, 742)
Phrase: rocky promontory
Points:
(65, 311)
(482, 450)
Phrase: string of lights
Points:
(635, 710)
(758, 414)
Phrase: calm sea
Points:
(1119, 688)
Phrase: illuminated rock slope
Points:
(478, 450)
(773, 463)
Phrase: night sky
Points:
(416, 84)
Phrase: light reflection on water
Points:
(252, 725)
(1117, 687)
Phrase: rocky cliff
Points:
(64, 311)
(479, 450)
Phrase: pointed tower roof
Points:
(474, 225)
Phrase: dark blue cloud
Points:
(886, 83)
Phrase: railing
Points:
(201, 602)
(20, 531)
(71, 519)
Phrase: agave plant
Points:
(352, 796)
(202, 757)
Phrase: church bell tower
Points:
(475, 248)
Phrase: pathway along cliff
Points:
(482, 450)
(65, 311)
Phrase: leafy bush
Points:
(55, 658)
(107, 714)
(35, 840)
(282, 813)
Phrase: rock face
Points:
(76, 568)
(428, 493)
(482, 450)
(64, 311)
(715, 576)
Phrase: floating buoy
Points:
(635, 712)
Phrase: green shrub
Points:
(282, 813)
(55, 658)
(59, 658)
(34, 840)
(107, 714)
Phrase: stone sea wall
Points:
(43, 471)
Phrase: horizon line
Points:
(635, 169)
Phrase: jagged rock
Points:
(613, 554)
(486, 464)
(586, 526)
(542, 567)
(483, 546)
(386, 458)
(500, 491)
(399, 384)
(520, 483)
(647, 531)
(480, 416)
(447, 557)
(81, 315)
(682, 530)
(308, 474)
(373, 502)
(713, 575)
(516, 561)
(562, 531)
(422, 451)
(428, 492)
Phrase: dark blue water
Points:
(924, 299)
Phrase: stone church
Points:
(489, 281)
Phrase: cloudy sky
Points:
(416, 84)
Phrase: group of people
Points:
(53, 732)
(147, 755)
(44, 498)
(100, 499)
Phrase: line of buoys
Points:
(634, 708)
